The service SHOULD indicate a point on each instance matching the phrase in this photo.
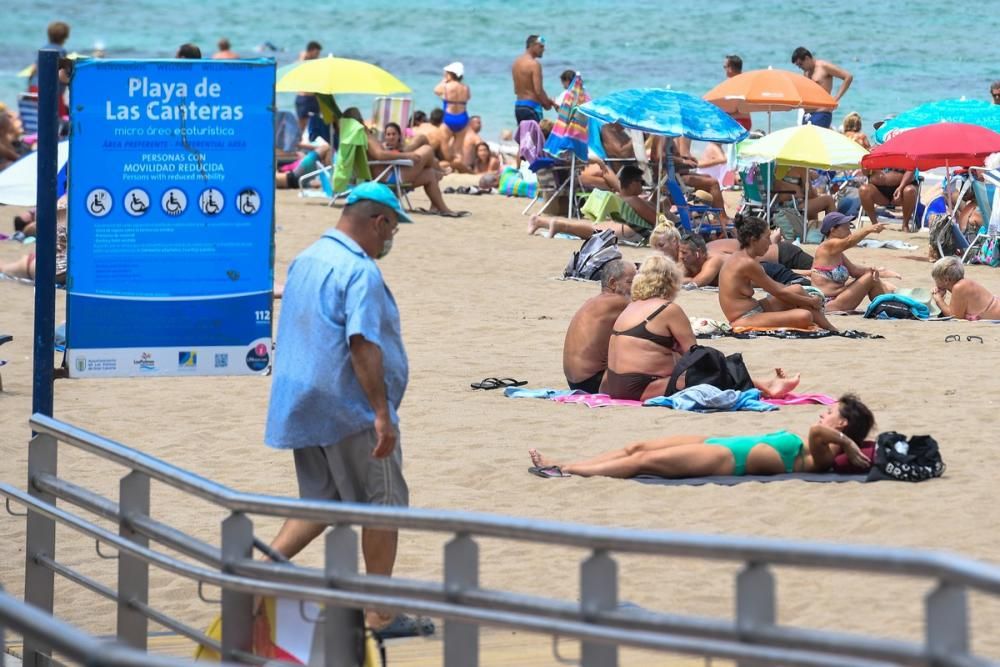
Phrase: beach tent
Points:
(807, 146)
(770, 90)
(972, 112)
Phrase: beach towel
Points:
(570, 132)
(351, 163)
(802, 399)
(894, 244)
(596, 400)
(524, 392)
(706, 398)
(530, 140)
(754, 332)
(601, 205)
(733, 480)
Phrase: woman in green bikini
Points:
(840, 429)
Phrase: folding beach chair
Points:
(692, 215)
(987, 194)
(391, 110)
(27, 109)
(351, 166)
(754, 182)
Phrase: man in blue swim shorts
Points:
(527, 74)
(823, 73)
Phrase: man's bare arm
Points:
(840, 73)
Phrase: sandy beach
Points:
(480, 298)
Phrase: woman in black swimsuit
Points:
(652, 333)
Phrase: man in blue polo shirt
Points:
(339, 375)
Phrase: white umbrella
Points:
(18, 182)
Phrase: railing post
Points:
(237, 608)
(947, 621)
(133, 573)
(343, 629)
(755, 604)
(598, 592)
(40, 540)
(461, 572)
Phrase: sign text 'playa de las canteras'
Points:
(171, 218)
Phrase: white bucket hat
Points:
(456, 68)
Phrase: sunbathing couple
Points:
(626, 341)
(841, 429)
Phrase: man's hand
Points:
(385, 437)
(877, 228)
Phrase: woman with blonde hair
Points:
(969, 300)
(853, 131)
(666, 239)
(652, 333)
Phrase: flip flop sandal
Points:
(511, 382)
(454, 214)
(969, 339)
(487, 383)
(406, 626)
(548, 472)
(952, 338)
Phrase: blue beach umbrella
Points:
(972, 112)
(666, 112)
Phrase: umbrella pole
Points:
(572, 191)
(805, 209)
(768, 175)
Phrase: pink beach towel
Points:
(596, 400)
(530, 140)
(802, 399)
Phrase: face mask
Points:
(386, 247)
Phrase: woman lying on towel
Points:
(652, 334)
(786, 305)
(844, 283)
(840, 429)
(969, 300)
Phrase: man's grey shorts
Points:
(347, 471)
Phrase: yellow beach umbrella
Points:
(335, 76)
(807, 146)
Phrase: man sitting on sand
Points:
(585, 350)
(638, 217)
(526, 71)
(786, 305)
(702, 262)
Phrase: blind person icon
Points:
(173, 201)
(99, 202)
(136, 202)
(248, 201)
(211, 201)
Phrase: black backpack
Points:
(595, 252)
(894, 310)
(706, 365)
(906, 460)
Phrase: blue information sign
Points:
(171, 217)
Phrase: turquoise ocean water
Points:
(901, 53)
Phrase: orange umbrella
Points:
(769, 90)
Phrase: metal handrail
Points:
(74, 643)
(946, 567)
(645, 620)
(574, 629)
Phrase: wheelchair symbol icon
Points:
(248, 201)
(99, 202)
(174, 201)
(136, 202)
(211, 201)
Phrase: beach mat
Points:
(733, 480)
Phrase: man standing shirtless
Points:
(823, 73)
(585, 351)
(527, 74)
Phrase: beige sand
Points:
(480, 298)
